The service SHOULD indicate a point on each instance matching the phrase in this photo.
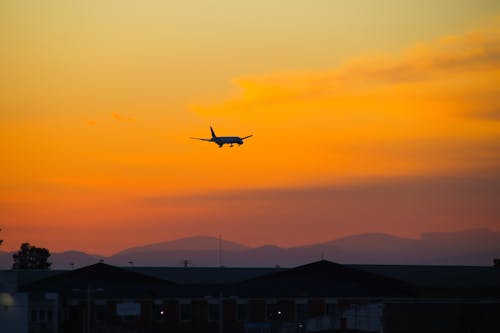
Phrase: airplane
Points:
(222, 140)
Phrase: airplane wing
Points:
(246, 137)
(209, 140)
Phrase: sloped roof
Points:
(427, 276)
(205, 275)
(24, 276)
(324, 278)
(318, 279)
(109, 279)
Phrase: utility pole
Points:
(89, 290)
(220, 250)
(221, 313)
(88, 309)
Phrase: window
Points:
(186, 312)
(213, 312)
(100, 312)
(272, 311)
(73, 313)
(330, 309)
(33, 315)
(301, 311)
(41, 315)
(129, 318)
(242, 310)
(49, 315)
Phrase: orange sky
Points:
(357, 126)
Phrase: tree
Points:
(31, 257)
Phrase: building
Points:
(14, 304)
(318, 297)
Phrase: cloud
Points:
(406, 205)
(475, 51)
(493, 114)
(474, 56)
(428, 109)
(468, 187)
(120, 118)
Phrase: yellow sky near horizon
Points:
(98, 101)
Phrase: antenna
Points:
(186, 263)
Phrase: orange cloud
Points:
(118, 117)
(429, 109)
(472, 55)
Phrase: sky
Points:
(367, 116)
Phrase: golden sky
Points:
(361, 112)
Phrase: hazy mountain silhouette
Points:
(196, 243)
(5, 260)
(61, 260)
(469, 247)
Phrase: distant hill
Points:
(469, 247)
(5, 260)
(196, 243)
(63, 260)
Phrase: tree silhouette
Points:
(31, 257)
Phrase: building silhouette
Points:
(318, 297)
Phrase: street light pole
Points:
(89, 290)
(88, 309)
(221, 314)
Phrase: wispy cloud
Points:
(471, 56)
(492, 114)
(408, 204)
(468, 187)
(121, 118)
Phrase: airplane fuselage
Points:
(222, 140)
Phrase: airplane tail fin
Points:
(213, 133)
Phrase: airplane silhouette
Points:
(222, 140)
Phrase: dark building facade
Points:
(318, 297)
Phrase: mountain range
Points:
(469, 247)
